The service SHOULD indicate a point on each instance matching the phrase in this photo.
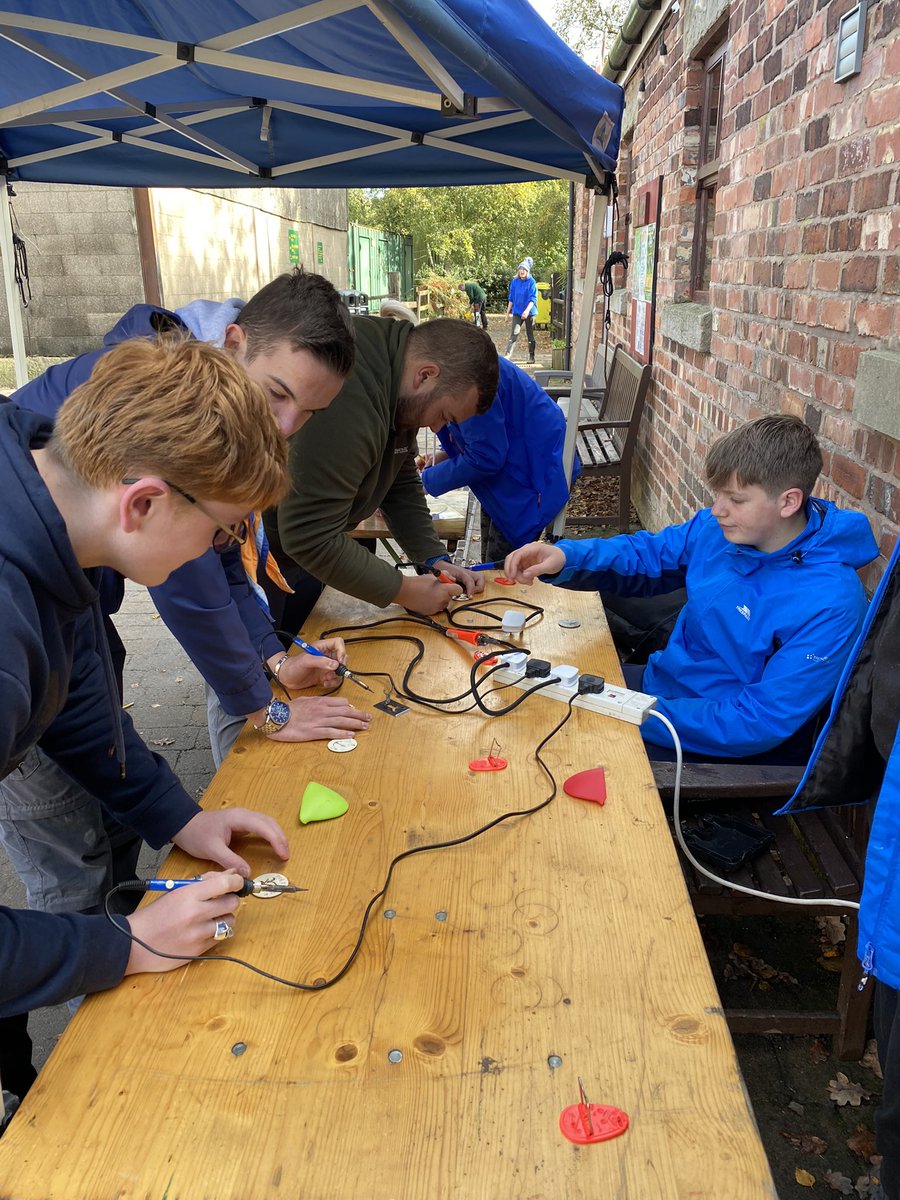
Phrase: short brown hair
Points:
(465, 354)
(774, 453)
(304, 310)
(179, 409)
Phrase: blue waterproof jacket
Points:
(510, 456)
(523, 292)
(760, 644)
(207, 603)
(58, 690)
(857, 760)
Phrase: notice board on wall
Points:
(644, 250)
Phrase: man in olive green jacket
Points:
(359, 455)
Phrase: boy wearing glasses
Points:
(99, 490)
(294, 339)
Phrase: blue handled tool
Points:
(249, 887)
(493, 566)
(340, 669)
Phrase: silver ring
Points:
(223, 931)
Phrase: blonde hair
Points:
(179, 409)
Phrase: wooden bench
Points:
(448, 529)
(607, 433)
(814, 856)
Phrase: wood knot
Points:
(346, 1053)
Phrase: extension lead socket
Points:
(611, 702)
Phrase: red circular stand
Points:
(491, 763)
(587, 785)
(603, 1123)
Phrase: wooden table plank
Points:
(567, 933)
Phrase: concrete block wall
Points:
(215, 245)
(805, 276)
(83, 262)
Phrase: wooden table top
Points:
(555, 945)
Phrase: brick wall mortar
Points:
(805, 276)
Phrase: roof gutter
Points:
(629, 35)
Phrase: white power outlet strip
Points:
(611, 702)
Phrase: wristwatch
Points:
(277, 716)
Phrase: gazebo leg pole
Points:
(13, 308)
(583, 341)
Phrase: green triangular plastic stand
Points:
(321, 803)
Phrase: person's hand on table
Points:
(426, 594)
(472, 581)
(304, 670)
(183, 922)
(528, 562)
(318, 718)
(208, 835)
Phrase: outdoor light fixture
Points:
(850, 42)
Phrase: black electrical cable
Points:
(327, 983)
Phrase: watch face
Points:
(278, 712)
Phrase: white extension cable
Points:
(735, 887)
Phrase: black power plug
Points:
(590, 685)
(537, 668)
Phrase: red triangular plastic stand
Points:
(491, 763)
(506, 582)
(605, 1122)
(587, 785)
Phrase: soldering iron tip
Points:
(360, 682)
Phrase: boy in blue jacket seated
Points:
(511, 458)
(774, 603)
(154, 460)
(857, 760)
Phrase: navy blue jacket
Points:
(54, 660)
(207, 603)
(857, 760)
(510, 456)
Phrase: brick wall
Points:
(805, 273)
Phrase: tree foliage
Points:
(473, 232)
(590, 26)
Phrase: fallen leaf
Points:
(135, 685)
(870, 1058)
(154, 706)
(866, 1185)
(179, 679)
(162, 742)
(862, 1141)
(832, 930)
(804, 1178)
(795, 1107)
(154, 616)
(831, 960)
(839, 1183)
(842, 1091)
(818, 1051)
(806, 1143)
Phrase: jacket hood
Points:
(35, 538)
(208, 319)
(832, 535)
(142, 320)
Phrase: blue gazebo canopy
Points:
(325, 93)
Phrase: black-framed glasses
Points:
(225, 535)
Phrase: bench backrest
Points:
(625, 395)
